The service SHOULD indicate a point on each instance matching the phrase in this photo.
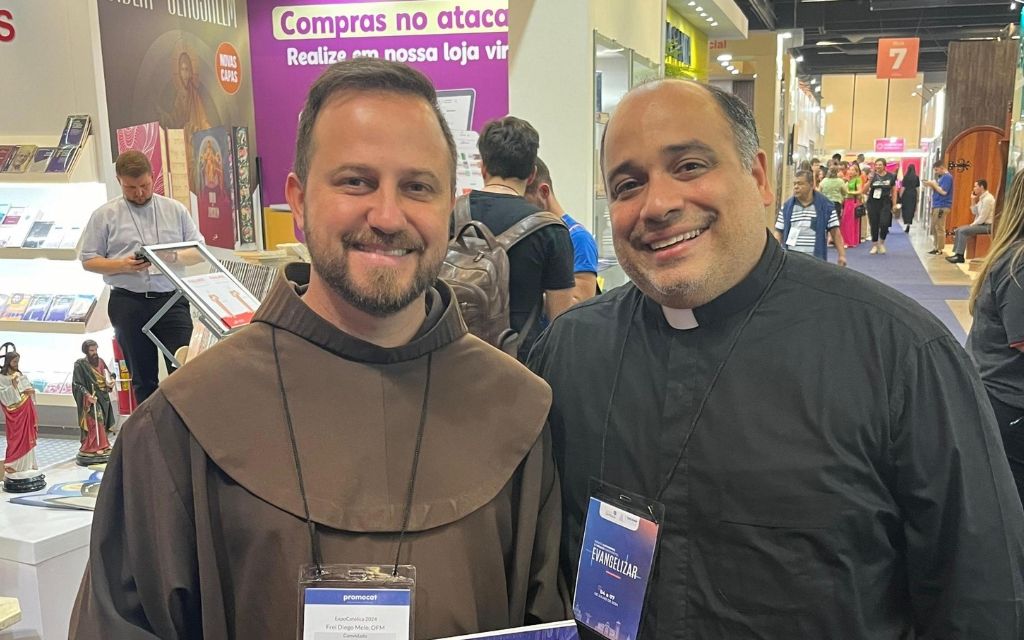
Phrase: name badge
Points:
(616, 558)
(877, 194)
(353, 601)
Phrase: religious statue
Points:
(91, 385)
(17, 399)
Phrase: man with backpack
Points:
(540, 254)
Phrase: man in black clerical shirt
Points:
(776, 407)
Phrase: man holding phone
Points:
(111, 245)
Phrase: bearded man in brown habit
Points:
(355, 420)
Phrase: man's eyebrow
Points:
(690, 146)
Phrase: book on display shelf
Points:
(37, 234)
(41, 159)
(7, 152)
(177, 167)
(60, 308)
(22, 159)
(38, 305)
(69, 239)
(15, 226)
(16, 306)
(63, 159)
(54, 237)
(76, 130)
(81, 308)
(212, 151)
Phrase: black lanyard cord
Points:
(415, 464)
(314, 540)
(718, 372)
(615, 380)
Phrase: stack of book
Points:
(30, 158)
(46, 307)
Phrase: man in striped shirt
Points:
(806, 218)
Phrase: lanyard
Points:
(156, 222)
(314, 536)
(707, 393)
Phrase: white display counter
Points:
(43, 553)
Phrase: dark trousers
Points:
(879, 218)
(128, 313)
(1013, 438)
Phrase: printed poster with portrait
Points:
(181, 63)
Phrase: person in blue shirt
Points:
(541, 193)
(942, 201)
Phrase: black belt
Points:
(148, 295)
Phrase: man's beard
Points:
(94, 360)
(384, 295)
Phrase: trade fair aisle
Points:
(937, 285)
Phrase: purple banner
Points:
(461, 46)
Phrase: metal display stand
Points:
(208, 286)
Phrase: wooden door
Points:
(973, 155)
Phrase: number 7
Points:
(900, 53)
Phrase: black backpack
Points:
(477, 269)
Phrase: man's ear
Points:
(760, 173)
(295, 194)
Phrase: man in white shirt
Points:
(983, 206)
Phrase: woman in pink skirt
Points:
(849, 224)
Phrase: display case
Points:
(48, 303)
(617, 69)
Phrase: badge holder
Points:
(356, 601)
(620, 540)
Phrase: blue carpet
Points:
(901, 269)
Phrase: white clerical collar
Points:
(682, 319)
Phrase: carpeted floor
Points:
(901, 269)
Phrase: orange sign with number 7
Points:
(897, 57)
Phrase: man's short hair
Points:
(837, 156)
(132, 164)
(744, 126)
(543, 177)
(938, 164)
(983, 183)
(806, 175)
(508, 148)
(365, 75)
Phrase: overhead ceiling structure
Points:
(841, 36)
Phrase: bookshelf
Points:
(19, 253)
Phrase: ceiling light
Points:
(800, 58)
(814, 81)
(692, 3)
(786, 35)
(826, 43)
(714, 24)
(700, 8)
(710, 19)
(724, 56)
(735, 72)
(729, 67)
(829, 109)
(817, 89)
(754, 76)
(914, 94)
(703, 14)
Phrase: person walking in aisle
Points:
(833, 187)
(881, 193)
(807, 219)
(983, 206)
(942, 201)
(996, 341)
(908, 196)
(849, 225)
